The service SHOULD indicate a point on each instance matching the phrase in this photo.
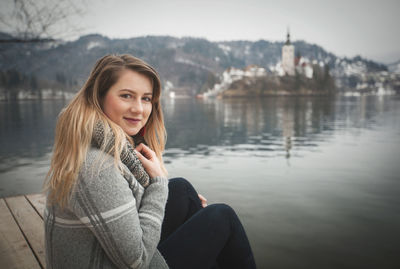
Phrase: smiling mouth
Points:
(131, 120)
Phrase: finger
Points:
(142, 151)
(141, 157)
(145, 150)
(139, 147)
(202, 198)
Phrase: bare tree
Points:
(39, 20)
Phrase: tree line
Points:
(12, 82)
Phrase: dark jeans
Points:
(197, 237)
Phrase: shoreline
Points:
(236, 94)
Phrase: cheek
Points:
(112, 107)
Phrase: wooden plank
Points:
(31, 224)
(38, 201)
(14, 250)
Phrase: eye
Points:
(147, 99)
(126, 95)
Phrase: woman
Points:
(107, 190)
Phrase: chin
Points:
(132, 132)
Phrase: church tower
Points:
(288, 57)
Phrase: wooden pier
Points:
(22, 232)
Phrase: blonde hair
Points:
(76, 122)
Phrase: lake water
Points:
(315, 181)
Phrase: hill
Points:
(189, 65)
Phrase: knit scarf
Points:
(128, 155)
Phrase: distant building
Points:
(288, 57)
(304, 67)
(233, 74)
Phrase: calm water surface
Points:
(315, 181)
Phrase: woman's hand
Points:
(203, 200)
(149, 160)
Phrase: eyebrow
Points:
(132, 91)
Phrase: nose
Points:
(137, 106)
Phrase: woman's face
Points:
(128, 101)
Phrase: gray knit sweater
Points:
(111, 221)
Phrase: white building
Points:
(231, 75)
(304, 67)
(288, 57)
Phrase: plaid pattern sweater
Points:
(110, 222)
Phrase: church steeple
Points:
(288, 56)
(288, 37)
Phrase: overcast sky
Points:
(345, 27)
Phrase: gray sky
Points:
(344, 27)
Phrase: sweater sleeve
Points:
(103, 201)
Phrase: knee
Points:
(181, 185)
(221, 210)
(178, 183)
(222, 217)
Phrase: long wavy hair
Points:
(77, 120)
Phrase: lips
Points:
(132, 120)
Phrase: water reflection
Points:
(270, 126)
